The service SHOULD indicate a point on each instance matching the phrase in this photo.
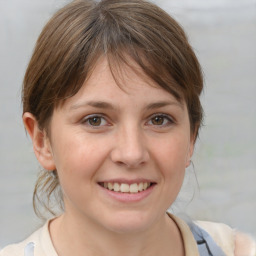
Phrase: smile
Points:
(126, 188)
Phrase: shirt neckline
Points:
(189, 242)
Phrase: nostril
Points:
(129, 160)
(130, 149)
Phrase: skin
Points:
(107, 133)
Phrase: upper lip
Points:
(126, 181)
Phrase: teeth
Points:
(140, 187)
(134, 188)
(110, 186)
(126, 188)
(116, 187)
(145, 185)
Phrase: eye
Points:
(160, 120)
(95, 121)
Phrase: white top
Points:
(42, 244)
(221, 233)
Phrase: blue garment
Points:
(206, 245)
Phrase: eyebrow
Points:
(164, 104)
(95, 104)
(106, 105)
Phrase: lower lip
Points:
(129, 197)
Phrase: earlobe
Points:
(40, 140)
(190, 152)
(188, 162)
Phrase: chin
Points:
(130, 222)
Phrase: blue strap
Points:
(206, 245)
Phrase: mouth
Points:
(125, 187)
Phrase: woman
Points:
(111, 103)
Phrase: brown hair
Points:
(78, 34)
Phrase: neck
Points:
(73, 237)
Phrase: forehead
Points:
(121, 83)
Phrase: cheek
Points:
(173, 153)
(77, 157)
(171, 159)
(77, 163)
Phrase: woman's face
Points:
(120, 153)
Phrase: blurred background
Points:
(223, 35)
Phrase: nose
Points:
(130, 148)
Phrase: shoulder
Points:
(23, 248)
(18, 249)
(244, 245)
(232, 242)
(13, 250)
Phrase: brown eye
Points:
(95, 121)
(158, 120)
(161, 120)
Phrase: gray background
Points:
(223, 34)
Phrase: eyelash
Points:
(167, 120)
(89, 118)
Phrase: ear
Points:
(190, 150)
(41, 142)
